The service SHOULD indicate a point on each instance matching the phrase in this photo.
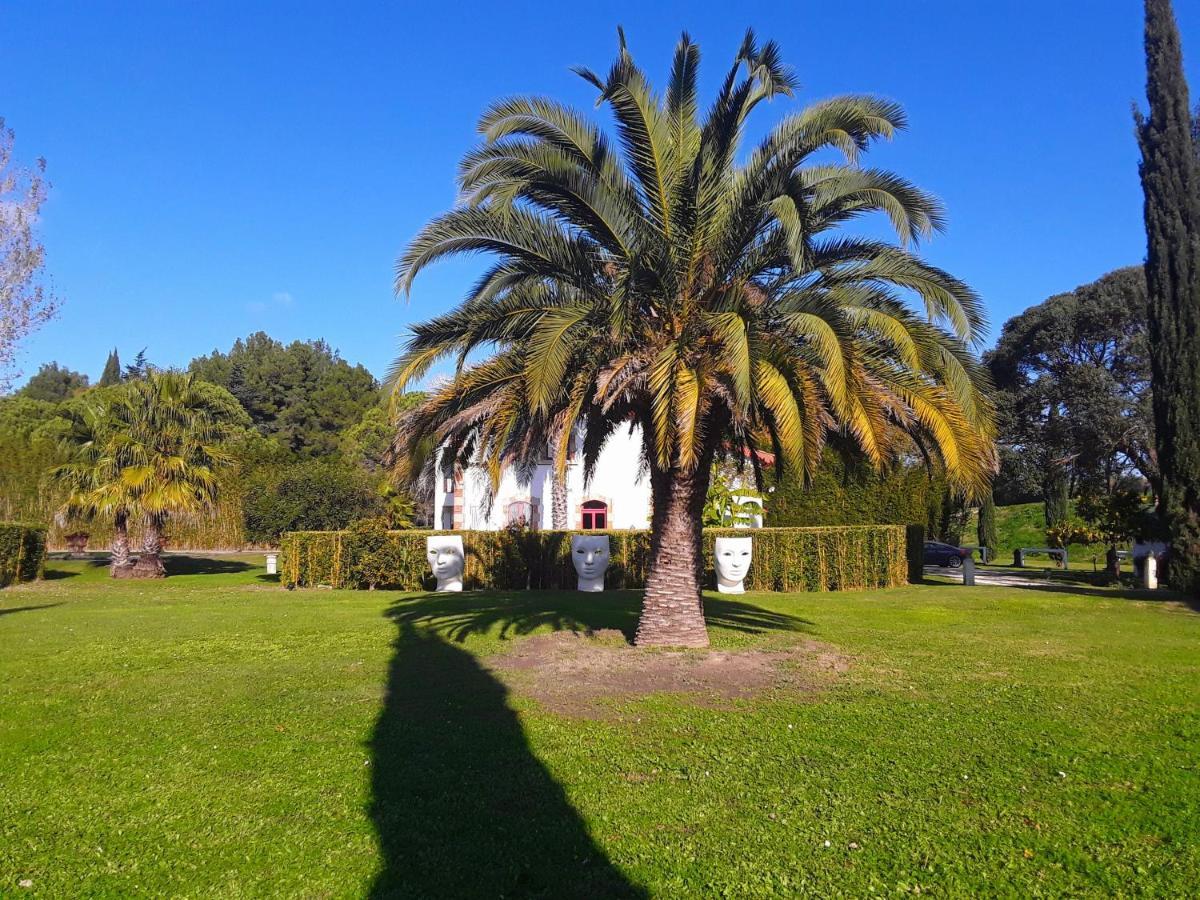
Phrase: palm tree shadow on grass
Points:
(461, 805)
(510, 614)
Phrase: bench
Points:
(984, 553)
(1058, 553)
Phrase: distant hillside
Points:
(1024, 525)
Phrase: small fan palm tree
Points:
(710, 298)
(90, 481)
(170, 433)
(147, 450)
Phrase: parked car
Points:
(939, 554)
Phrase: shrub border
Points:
(785, 559)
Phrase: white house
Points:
(617, 497)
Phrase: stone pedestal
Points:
(1150, 573)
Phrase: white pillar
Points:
(968, 568)
(1150, 573)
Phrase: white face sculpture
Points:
(445, 554)
(733, 557)
(589, 553)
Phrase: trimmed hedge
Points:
(785, 559)
(845, 492)
(22, 552)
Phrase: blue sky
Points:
(220, 168)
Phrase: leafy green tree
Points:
(1071, 530)
(304, 393)
(728, 505)
(1170, 173)
(308, 495)
(31, 435)
(368, 442)
(706, 295)
(1117, 518)
(112, 370)
(54, 383)
(1073, 375)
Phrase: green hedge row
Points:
(785, 559)
(22, 552)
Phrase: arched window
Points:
(595, 514)
(520, 514)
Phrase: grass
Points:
(1024, 525)
(215, 735)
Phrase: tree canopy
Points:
(1073, 379)
(304, 394)
(53, 382)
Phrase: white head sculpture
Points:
(733, 555)
(445, 554)
(589, 553)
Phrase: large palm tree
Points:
(708, 297)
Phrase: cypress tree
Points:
(987, 523)
(112, 370)
(1171, 183)
(1056, 492)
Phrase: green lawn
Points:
(216, 735)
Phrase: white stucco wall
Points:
(617, 481)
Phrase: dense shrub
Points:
(785, 559)
(22, 552)
(310, 495)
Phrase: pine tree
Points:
(1171, 182)
(112, 370)
(139, 368)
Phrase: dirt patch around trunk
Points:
(574, 674)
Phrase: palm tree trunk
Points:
(558, 502)
(558, 490)
(673, 611)
(149, 564)
(119, 561)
